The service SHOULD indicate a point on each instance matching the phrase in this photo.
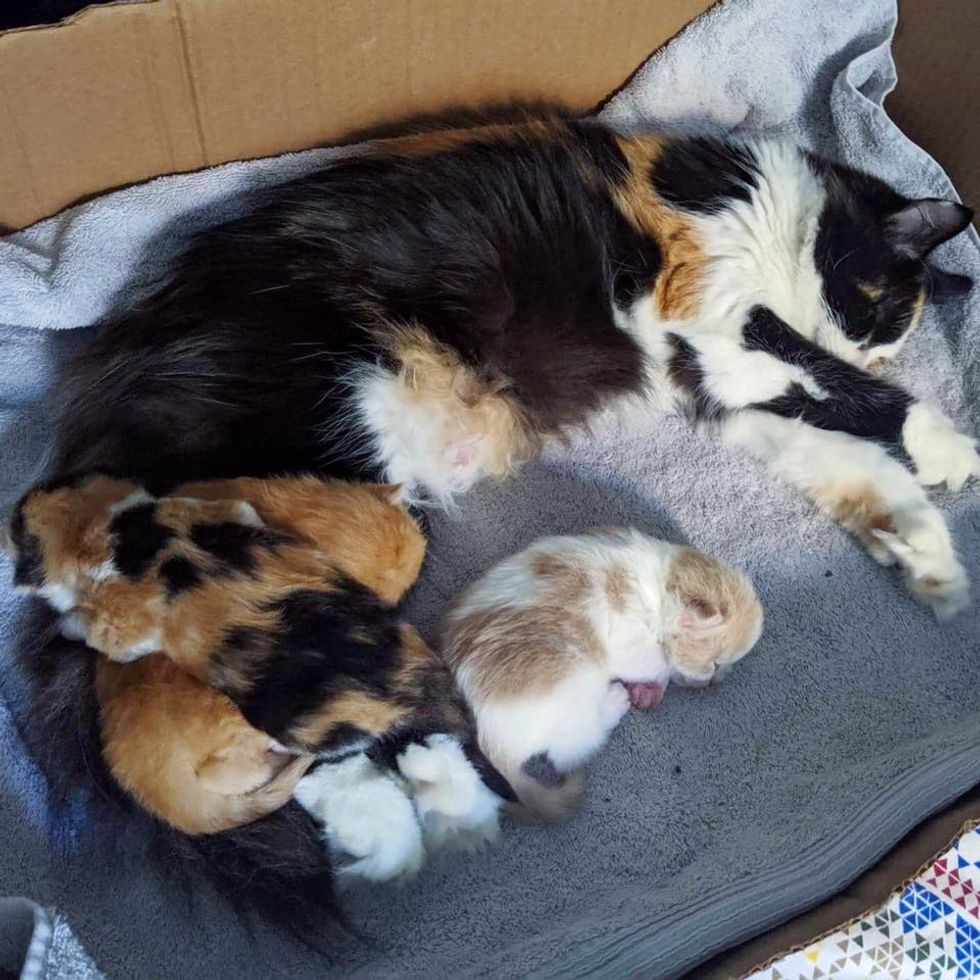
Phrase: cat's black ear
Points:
(918, 227)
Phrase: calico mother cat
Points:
(434, 309)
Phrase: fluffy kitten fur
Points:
(552, 645)
(244, 596)
(447, 302)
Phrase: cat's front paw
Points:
(940, 453)
(924, 553)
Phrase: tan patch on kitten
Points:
(508, 652)
(711, 589)
(618, 586)
(567, 579)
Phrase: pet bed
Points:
(715, 816)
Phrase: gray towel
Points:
(724, 810)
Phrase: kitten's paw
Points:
(940, 453)
(615, 703)
(455, 805)
(924, 553)
(369, 821)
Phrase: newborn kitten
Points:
(552, 644)
(292, 618)
(183, 750)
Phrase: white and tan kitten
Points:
(553, 645)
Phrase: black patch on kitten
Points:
(489, 774)
(343, 736)
(541, 769)
(326, 643)
(856, 402)
(137, 539)
(179, 574)
(704, 175)
(685, 371)
(234, 546)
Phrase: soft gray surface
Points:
(724, 810)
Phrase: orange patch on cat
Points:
(446, 140)
(678, 288)
(859, 508)
(482, 412)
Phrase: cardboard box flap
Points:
(128, 91)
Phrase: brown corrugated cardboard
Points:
(127, 91)
(124, 92)
(938, 94)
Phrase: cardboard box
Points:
(131, 90)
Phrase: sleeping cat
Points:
(306, 642)
(446, 303)
(553, 645)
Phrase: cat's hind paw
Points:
(456, 807)
(369, 822)
(929, 565)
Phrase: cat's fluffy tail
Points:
(276, 869)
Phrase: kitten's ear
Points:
(390, 493)
(700, 614)
(238, 769)
(916, 229)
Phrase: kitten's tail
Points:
(539, 801)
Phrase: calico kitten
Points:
(446, 303)
(553, 644)
(310, 655)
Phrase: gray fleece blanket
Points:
(709, 819)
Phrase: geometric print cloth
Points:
(930, 927)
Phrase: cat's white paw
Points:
(940, 453)
(456, 807)
(369, 821)
(922, 548)
(615, 703)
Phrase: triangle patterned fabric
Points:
(930, 927)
